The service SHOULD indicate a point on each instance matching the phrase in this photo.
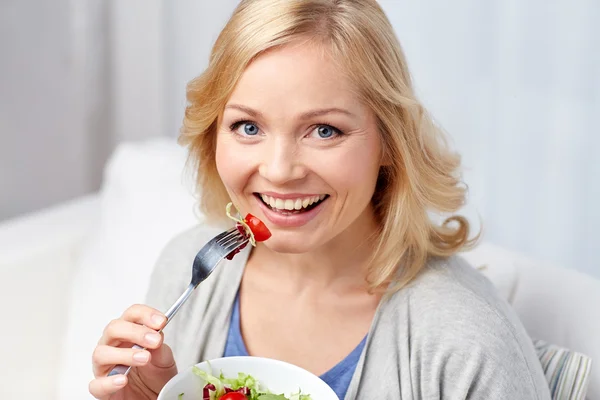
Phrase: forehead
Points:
(293, 75)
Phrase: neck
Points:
(341, 263)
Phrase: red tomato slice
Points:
(233, 396)
(260, 230)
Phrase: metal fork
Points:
(205, 262)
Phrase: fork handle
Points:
(124, 369)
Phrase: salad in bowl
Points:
(246, 378)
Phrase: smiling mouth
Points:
(291, 206)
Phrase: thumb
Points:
(162, 357)
(159, 370)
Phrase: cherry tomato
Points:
(260, 230)
(233, 396)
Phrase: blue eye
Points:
(250, 129)
(325, 131)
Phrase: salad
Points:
(250, 226)
(244, 387)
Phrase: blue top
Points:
(338, 377)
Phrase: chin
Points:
(288, 246)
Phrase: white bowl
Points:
(277, 376)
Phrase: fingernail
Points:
(157, 319)
(120, 380)
(152, 338)
(141, 356)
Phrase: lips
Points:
(290, 218)
(298, 204)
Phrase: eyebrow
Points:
(306, 115)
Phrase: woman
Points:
(306, 118)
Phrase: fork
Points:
(204, 264)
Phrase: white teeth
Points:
(291, 204)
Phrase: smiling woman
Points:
(311, 71)
(317, 145)
(306, 118)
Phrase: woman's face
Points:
(297, 149)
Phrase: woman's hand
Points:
(153, 367)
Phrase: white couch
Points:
(66, 271)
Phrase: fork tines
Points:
(231, 237)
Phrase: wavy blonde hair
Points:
(420, 175)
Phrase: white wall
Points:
(41, 152)
(191, 28)
(76, 77)
(157, 48)
(79, 76)
(138, 68)
(53, 115)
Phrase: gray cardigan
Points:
(447, 335)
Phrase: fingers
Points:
(121, 331)
(108, 355)
(138, 325)
(101, 388)
(144, 315)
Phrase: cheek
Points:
(225, 167)
(355, 171)
(233, 164)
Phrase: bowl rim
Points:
(273, 361)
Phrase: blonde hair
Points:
(420, 174)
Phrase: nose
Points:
(281, 162)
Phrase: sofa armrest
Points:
(58, 227)
(38, 254)
(562, 307)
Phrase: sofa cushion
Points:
(560, 306)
